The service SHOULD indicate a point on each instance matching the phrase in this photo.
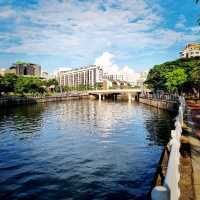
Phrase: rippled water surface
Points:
(80, 150)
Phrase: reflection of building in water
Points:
(102, 115)
(26, 120)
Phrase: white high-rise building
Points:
(87, 76)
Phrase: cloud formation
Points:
(106, 61)
(82, 27)
(79, 30)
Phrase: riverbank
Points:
(16, 100)
(171, 106)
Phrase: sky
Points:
(123, 35)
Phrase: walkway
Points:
(193, 122)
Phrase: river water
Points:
(80, 150)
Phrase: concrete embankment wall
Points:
(171, 106)
(13, 100)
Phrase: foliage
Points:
(196, 76)
(175, 79)
(20, 62)
(7, 83)
(51, 82)
(180, 75)
(31, 85)
(11, 83)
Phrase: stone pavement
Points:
(193, 125)
(195, 155)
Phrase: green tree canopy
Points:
(20, 62)
(175, 79)
(29, 85)
(51, 82)
(181, 75)
(7, 83)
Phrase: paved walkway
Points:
(195, 155)
(193, 124)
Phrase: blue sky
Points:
(70, 33)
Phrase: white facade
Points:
(191, 50)
(45, 75)
(142, 78)
(115, 77)
(2, 72)
(88, 76)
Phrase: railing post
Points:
(160, 193)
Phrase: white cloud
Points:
(106, 61)
(181, 24)
(6, 12)
(66, 27)
(83, 29)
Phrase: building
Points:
(115, 77)
(142, 78)
(29, 69)
(45, 75)
(191, 50)
(2, 71)
(87, 76)
(7, 71)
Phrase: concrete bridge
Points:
(113, 93)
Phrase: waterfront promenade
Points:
(192, 126)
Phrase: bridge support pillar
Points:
(114, 97)
(129, 97)
(99, 97)
(103, 97)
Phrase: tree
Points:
(51, 82)
(163, 76)
(175, 80)
(8, 83)
(196, 78)
(31, 85)
(18, 62)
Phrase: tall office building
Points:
(29, 69)
(87, 76)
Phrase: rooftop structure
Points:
(191, 50)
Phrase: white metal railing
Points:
(170, 189)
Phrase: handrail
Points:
(170, 189)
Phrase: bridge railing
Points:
(170, 189)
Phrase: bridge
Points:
(113, 93)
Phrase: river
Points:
(80, 150)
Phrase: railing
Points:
(166, 97)
(170, 189)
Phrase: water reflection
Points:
(80, 150)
